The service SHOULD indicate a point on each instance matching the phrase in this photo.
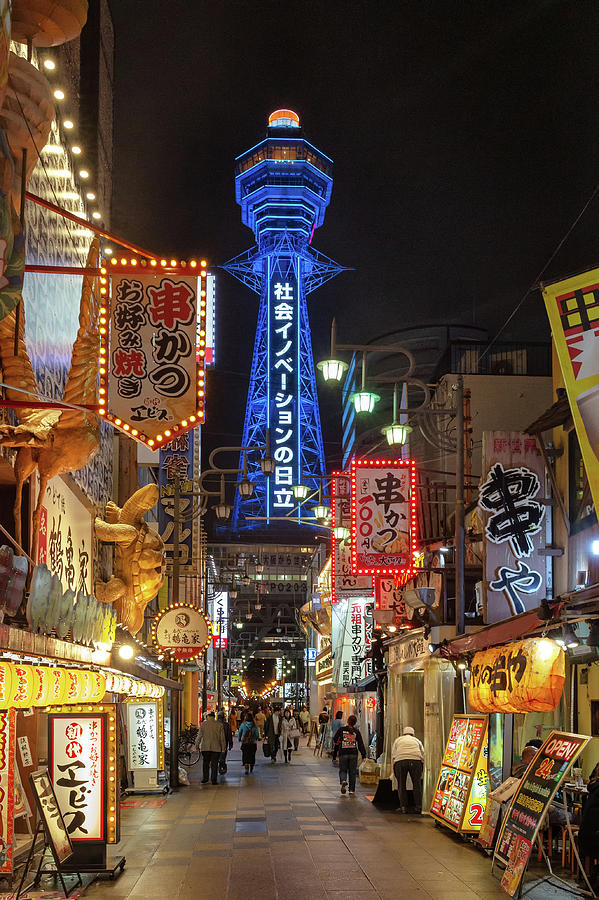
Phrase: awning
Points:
(367, 684)
(559, 413)
(499, 633)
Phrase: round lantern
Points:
(98, 681)
(57, 688)
(47, 23)
(43, 685)
(6, 680)
(23, 686)
(75, 686)
(126, 684)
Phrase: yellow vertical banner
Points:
(573, 309)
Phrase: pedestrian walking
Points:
(407, 755)
(323, 720)
(304, 718)
(272, 733)
(248, 738)
(289, 731)
(222, 762)
(347, 744)
(212, 744)
(233, 720)
(259, 720)
(337, 724)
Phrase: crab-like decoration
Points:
(139, 563)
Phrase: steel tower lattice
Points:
(283, 185)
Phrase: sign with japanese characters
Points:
(573, 310)
(344, 583)
(352, 637)
(514, 520)
(521, 677)
(538, 786)
(324, 659)
(182, 631)
(463, 784)
(153, 364)
(284, 388)
(177, 461)
(77, 770)
(7, 788)
(383, 516)
(220, 612)
(66, 537)
(142, 735)
(51, 815)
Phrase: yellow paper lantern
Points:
(57, 692)
(75, 686)
(43, 686)
(521, 677)
(6, 681)
(98, 686)
(23, 686)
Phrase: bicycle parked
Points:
(189, 746)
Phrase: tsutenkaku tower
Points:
(283, 185)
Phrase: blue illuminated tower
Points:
(283, 186)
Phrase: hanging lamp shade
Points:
(540, 662)
(27, 112)
(364, 401)
(6, 679)
(332, 369)
(23, 686)
(47, 23)
(396, 434)
(321, 511)
(300, 491)
(58, 687)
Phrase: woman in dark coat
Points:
(588, 836)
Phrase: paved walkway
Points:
(285, 832)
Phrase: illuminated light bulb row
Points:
(123, 264)
(69, 125)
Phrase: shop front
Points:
(420, 693)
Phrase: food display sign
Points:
(144, 735)
(463, 785)
(7, 792)
(383, 516)
(343, 582)
(152, 355)
(182, 631)
(521, 677)
(539, 784)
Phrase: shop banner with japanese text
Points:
(142, 734)
(284, 399)
(515, 521)
(525, 676)
(66, 537)
(538, 786)
(77, 770)
(344, 582)
(383, 516)
(573, 310)
(152, 365)
(7, 788)
(352, 637)
(177, 459)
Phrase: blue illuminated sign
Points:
(284, 390)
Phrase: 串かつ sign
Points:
(383, 516)
(343, 582)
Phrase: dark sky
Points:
(465, 138)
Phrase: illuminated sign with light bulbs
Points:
(182, 631)
(343, 583)
(153, 347)
(82, 744)
(383, 516)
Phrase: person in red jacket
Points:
(348, 741)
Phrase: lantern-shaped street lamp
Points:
(396, 433)
(222, 510)
(340, 532)
(333, 370)
(300, 491)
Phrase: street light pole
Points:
(460, 548)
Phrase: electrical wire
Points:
(535, 283)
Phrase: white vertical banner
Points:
(78, 773)
(142, 731)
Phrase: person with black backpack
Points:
(348, 741)
(248, 738)
(222, 762)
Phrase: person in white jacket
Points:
(407, 755)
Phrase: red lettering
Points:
(561, 749)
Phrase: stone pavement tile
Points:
(439, 891)
(351, 895)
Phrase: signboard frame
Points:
(41, 780)
(162, 272)
(185, 652)
(471, 785)
(159, 707)
(380, 562)
(341, 561)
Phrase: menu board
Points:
(539, 784)
(463, 785)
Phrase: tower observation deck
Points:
(283, 185)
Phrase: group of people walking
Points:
(278, 729)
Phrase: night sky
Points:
(465, 138)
